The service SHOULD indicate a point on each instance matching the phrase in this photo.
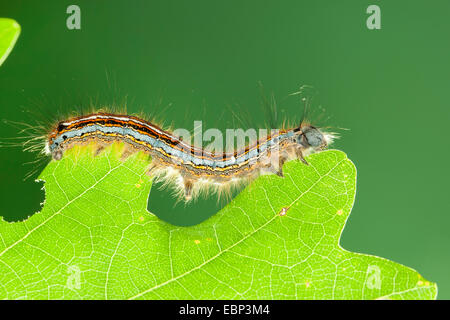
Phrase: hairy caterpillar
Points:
(190, 169)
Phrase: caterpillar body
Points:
(190, 169)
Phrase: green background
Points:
(390, 87)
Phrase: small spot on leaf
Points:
(283, 211)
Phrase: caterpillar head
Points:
(310, 137)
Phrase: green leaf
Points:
(95, 239)
(9, 32)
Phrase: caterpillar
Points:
(188, 168)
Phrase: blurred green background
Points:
(390, 87)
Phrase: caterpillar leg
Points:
(152, 168)
(98, 149)
(279, 171)
(276, 165)
(299, 154)
(188, 186)
(57, 155)
(128, 151)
